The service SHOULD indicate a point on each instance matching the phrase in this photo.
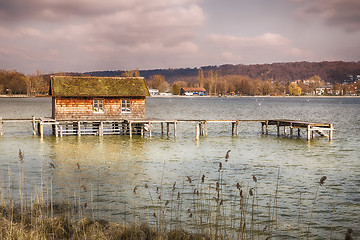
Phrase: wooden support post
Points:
(262, 128)
(56, 130)
(78, 129)
(101, 128)
(197, 131)
(130, 129)
(61, 131)
(298, 132)
(41, 129)
(232, 128)
(206, 130)
(34, 125)
(237, 128)
(167, 129)
(331, 132)
(308, 134)
(174, 129)
(312, 133)
(278, 128)
(162, 128)
(123, 126)
(284, 130)
(267, 127)
(291, 130)
(142, 129)
(150, 129)
(1, 127)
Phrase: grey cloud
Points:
(344, 13)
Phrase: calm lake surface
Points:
(103, 171)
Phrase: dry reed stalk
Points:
(300, 220)
(276, 198)
(321, 183)
(332, 222)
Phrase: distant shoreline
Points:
(183, 96)
(257, 96)
(22, 96)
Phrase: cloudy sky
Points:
(88, 35)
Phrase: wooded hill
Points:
(333, 72)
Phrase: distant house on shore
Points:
(189, 91)
(154, 92)
(98, 98)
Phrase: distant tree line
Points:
(333, 72)
(13, 82)
(246, 86)
(259, 79)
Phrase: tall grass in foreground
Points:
(197, 208)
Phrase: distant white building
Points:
(154, 92)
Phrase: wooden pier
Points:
(139, 127)
(323, 129)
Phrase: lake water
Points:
(103, 171)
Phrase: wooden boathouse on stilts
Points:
(96, 105)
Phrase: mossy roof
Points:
(70, 86)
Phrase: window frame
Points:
(126, 106)
(98, 105)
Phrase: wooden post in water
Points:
(56, 131)
(232, 128)
(162, 128)
(308, 134)
(285, 130)
(61, 131)
(34, 125)
(262, 128)
(41, 129)
(197, 131)
(1, 127)
(298, 132)
(150, 129)
(101, 128)
(237, 128)
(206, 130)
(267, 126)
(278, 128)
(78, 129)
(331, 132)
(167, 129)
(174, 129)
(312, 133)
(130, 129)
(291, 130)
